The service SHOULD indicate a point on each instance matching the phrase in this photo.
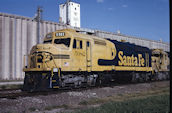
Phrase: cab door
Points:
(88, 56)
(79, 55)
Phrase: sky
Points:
(148, 19)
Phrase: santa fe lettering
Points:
(130, 60)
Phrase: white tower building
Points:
(70, 13)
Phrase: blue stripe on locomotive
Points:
(128, 49)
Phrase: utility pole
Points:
(39, 20)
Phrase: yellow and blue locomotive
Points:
(71, 59)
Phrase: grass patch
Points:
(150, 104)
(56, 107)
(151, 101)
(124, 97)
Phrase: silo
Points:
(43, 30)
(52, 27)
(34, 35)
(5, 50)
(1, 31)
(12, 49)
(60, 27)
(24, 45)
(48, 28)
(57, 27)
(31, 35)
(18, 48)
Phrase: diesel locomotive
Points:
(67, 58)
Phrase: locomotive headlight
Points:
(39, 58)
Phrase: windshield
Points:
(47, 42)
(65, 41)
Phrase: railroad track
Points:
(16, 93)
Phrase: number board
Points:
(60, 34)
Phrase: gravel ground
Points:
(61, 101)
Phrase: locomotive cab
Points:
(44, 56)
(46, 60)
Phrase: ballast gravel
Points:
(59, 102)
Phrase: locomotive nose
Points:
(43, 47)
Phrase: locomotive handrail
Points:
(53, 60)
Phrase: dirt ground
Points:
(72, 100)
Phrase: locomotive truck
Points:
(67, 58)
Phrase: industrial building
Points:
(70, 14)
(18, 34)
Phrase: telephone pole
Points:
(38, 18)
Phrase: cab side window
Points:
(77, 44)
(74, 43)
(88, 44)
(80, 44)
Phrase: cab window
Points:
(77, 44)
(47, 41)
(74, 43)
(80, 44)
(156, 55)
(65, 41)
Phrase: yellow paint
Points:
(54, 81)
(81, 59)
(160, 60)
(128, 68)
(55, 86)
(130, 60)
